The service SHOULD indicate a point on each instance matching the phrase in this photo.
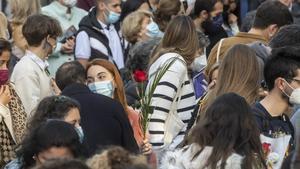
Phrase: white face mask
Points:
(295, 97)
(70, 3)
(199, 63)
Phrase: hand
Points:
(146, 147)
(232, 18)
(4, 95)
(212, 84)
(68, 47)
(55, 88)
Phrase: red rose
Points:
(140, 76)
(266, 147)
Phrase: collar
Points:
(282, 117)
(43, 64)
(104, 26)
(251, 35)
(60, 9)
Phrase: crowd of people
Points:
(220, 80)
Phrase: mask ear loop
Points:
(289, 86)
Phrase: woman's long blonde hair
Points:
(21, 9)
(3, 26)
(180, 37)
(239, 73)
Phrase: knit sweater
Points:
(163, 97)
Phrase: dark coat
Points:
(103, 120)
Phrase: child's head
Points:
(56, 107)
(115, 158)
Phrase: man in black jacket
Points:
(103, 119)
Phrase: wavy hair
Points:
(229, 127)
(53, 107)
(53, 133)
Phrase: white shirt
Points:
(43, 64)
(32, 81)
(84, 44)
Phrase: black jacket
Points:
(103, 120)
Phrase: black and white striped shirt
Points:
(163, 97)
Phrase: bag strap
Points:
(178, 95)
(219, 50)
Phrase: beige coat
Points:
(32, 83)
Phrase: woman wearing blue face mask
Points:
(59, 108)
(139, 26)
(104, 78)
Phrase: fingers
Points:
(6, 90)
(146, 147)
(4, 94)
(71, 42)
(212, 84)
(1, 89)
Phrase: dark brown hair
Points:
(229, 127)
(38, 27)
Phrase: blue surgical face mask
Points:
(80, 133)
(112, 17)
(104, 87)
(152, 29)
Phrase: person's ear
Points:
(272, 29)
(203, 15)
(280, 83)
(101, 6)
